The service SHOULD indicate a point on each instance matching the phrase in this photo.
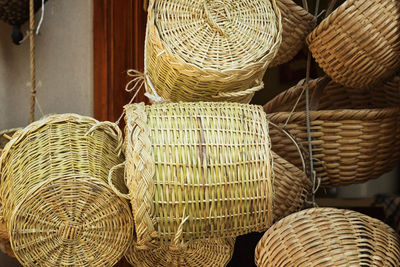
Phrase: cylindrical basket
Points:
(353, 140)
(210, 50)
(203, 253)
(5, 245)
(359, 43)
(57, 205)
(297, 23)
(328, 237)
(198, 171)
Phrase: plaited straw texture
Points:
(216, 252)
(198, 171)
(352, 142)
(210, 50)
(359, 43)
(328, 237)
(5, 245)
(297, 23)
(57, 206)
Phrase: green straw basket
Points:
(57, 205)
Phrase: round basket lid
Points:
(328, 237)
(216, 252)
(71, 221)
(219, 34)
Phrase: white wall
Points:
(64, 61)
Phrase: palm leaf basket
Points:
(57, 205)
(297, 23)
(5, 245)
(210, 50)
(203, 171)
(359, 43)
(328, 237)
(203, 253)
(354, 139)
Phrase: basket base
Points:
(71, 221)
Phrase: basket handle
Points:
(112, 129)
(318, 91)
(110, 182)
(240, 93)
(208, 18)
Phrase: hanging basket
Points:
(210, 50)
(359, 44)
(57, 206)
(297, 23)
(5, 245)
(328, 237)
(16, 12)
(204, 253)
(353, 140)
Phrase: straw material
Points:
(297, 23)
(352, 141)
(5, 245)
(216, 253)
(210, 50)
(57, 206)
(198, 171)
(359, 43)
(387, 93)
(328, 237)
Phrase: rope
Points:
(32, 57)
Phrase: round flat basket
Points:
(210, 50)
(328, 237)
(359, 43)
(203, 253)
(57, 205)
(353, 139)
(187, 162)
(5, 246)
(297, 23)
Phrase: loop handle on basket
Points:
(111, 129)
(110, 182)
(241, 93)
(303, 162)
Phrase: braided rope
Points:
(140, 175)
(32, 57)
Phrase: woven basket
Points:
(57, 206)
(297, 23)
(16, 12)
(359, 43)
(5, 245)
(328, 237)
(387, 93)
(210, 50)
(204, 253)
(352, 141)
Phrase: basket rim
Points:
(275, 48)
(328, 21)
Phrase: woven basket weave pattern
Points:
(203, 253)
(359, 43)
(297, 23)
(210, 50)
(328, 237)
(58, 207)
(352, 142)
(212, 170)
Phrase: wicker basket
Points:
(216, 253)
(359, 43)
(5, 245)
(57, 206)
(297, 23)
(352, 142)
(210, 50)
(387, 93)
(328, 237)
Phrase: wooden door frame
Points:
(118, 44)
